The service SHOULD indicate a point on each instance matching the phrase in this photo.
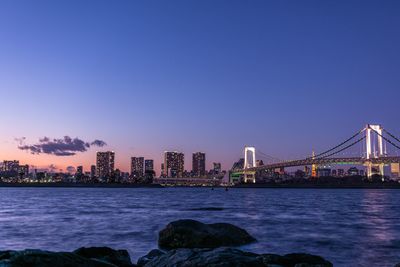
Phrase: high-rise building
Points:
(199, 164)
(11, 165)
(174, 163)
(92, 171)
(217, 167)
(137, 166)
(23, 170)
(105, 164)
(79, 170)
(148, 165)
(163, 173)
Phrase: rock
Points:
(119, 258)
(40, 258)
(294, 260)
(151, 255)
(194, 234)
(219, 257)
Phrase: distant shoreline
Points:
(80, 185)
(243, 186)
(321, 186)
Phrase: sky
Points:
(147, 76)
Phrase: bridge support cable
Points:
(342, 149)
(387, 140)
(266, 156)
(391, 135)
(336, 147)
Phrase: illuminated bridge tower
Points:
(374, 148)
(248, 174)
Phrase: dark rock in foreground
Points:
(225, 257)
(194, 234)
(150, 256)
(294, 260)
(39, 258)
(83, 257)
(120, 258)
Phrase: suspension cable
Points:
(346, 147)
(323, 153)
(262, 154)
(386, 139)
(391, 135)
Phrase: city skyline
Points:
(200, 76)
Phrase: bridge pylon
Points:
(374, 149)
(249, 176)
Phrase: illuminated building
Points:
(353, 171)
(148, 165)
(79, 170)
(323, 172)
(11, 165)
(92, 171)
(137, 166)
(199, 164)
(173, 164)
(105, 164)
(314, 167)
(217, 167)
(23, 170)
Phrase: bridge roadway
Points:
(325, 161)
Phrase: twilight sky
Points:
(212, 76)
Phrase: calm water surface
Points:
(348, 227)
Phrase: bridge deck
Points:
(326, 161)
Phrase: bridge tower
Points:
(249, 175)
(374, 148)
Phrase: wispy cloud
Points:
(66, 146)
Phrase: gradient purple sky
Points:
(212, 76)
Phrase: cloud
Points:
(59, 147)
(20, 140)
(98, 143)
(71, 169)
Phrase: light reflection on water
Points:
(348, 227)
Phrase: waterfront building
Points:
(259, 163)
(173, 164)
(323, 172)
(11, 165)
(23, 170)
(105, 164)
(137, 166)
(92, 171)
(148, 165)
(217, 169)
(199, 164)
(353, 171)
(395, 170)
(163, 174)
(79, 170)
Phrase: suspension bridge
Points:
(374, 155)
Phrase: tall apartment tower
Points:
(105, 164)
(148, 165)
(137, 166)
(199, 164)
(174, 163)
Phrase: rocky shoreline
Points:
(182, 243)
